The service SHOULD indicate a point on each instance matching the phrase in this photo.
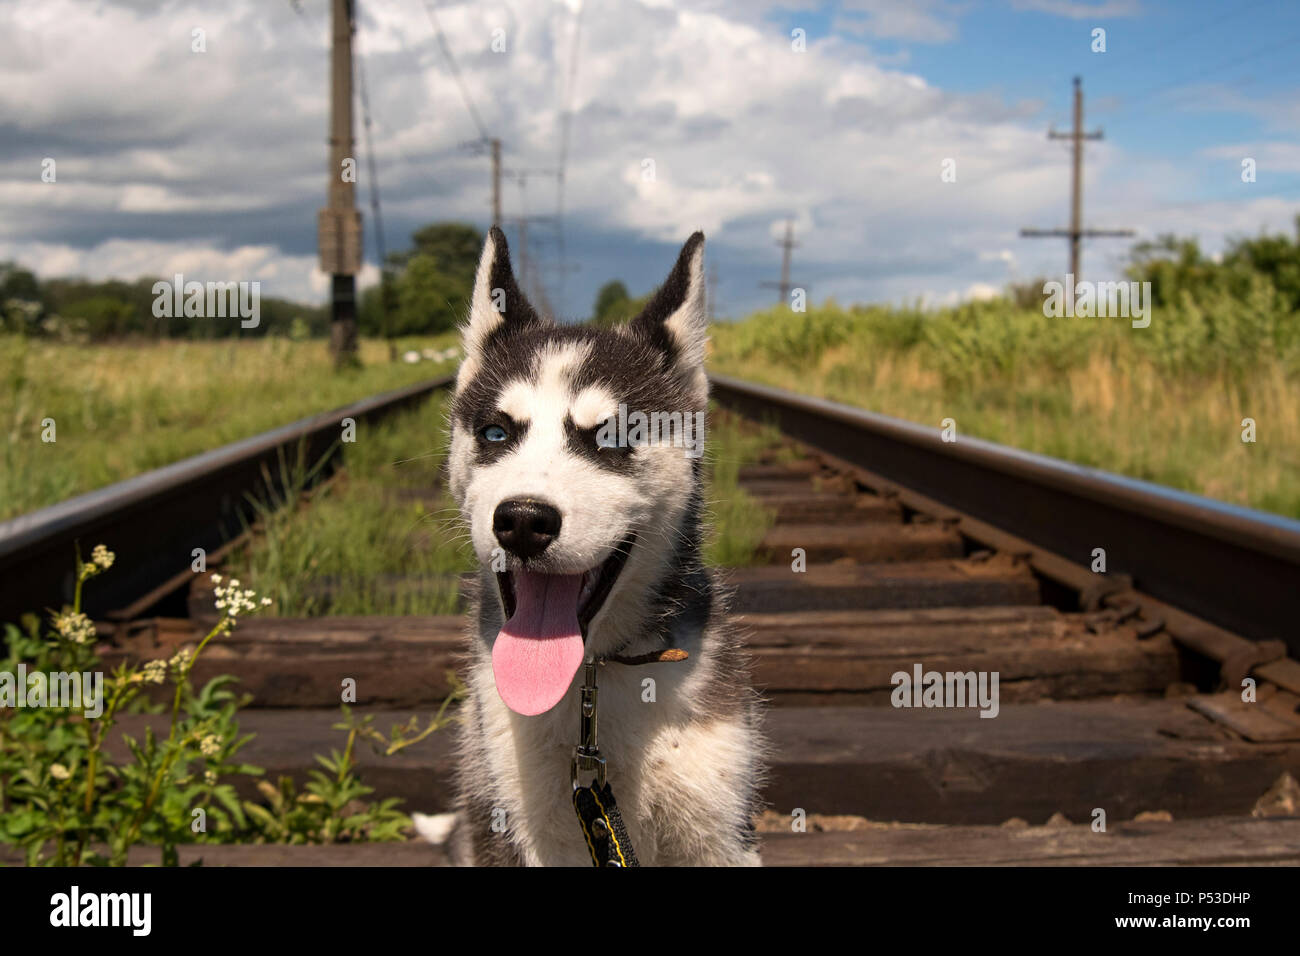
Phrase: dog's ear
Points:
(496, 305)
(676, 319)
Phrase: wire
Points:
(1235, 13)
(381, 250)
(566, 116)
(455, 71)
(1154, 92)
(296, 6)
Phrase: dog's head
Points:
(574, 459)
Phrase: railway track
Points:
(157, 519)
(1118, 694)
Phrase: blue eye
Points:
(493, 433)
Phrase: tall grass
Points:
(120, 409)
(1164, 403)
(735, 521)
(382, 538)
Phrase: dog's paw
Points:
(434, 827)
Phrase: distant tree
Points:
(613, 304)
(610, 300)
(429, 299)
(1276, 256)
(114, 308)
(1026, 295)
(284, 318)
(430, 284)
(1176, 266)
(18, 283)
(21, 302)
(454, 247)
(101, 317)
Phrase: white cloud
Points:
(980, 292)
(216, 161)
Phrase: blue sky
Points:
(213, 163)
(1177, 77)
(1174, 78)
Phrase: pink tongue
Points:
(539, 649)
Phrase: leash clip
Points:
(586, 756)
(598, 814)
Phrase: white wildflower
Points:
(154, 672)
(231, 600)
(74, 626)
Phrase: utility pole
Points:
(492, 145)
(1076, 233)
(339, 223)
(529, 275)
(785, 285)
(787, 246)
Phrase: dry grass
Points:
(1119, 406)
(123, 409)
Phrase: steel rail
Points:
(1233, 566)
(154, 521)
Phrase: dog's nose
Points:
(525, 527)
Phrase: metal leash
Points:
(598, 813)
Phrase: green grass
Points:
(735, 521)
(382, 538)
(1164, 404)
(122, 409)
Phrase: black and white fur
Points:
(685, 768)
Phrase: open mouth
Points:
(594, 587)
(542, 643)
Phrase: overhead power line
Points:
(381, 250)
(1155, 92)
(566, 118)
(455, 71)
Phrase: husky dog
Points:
(589, 547)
